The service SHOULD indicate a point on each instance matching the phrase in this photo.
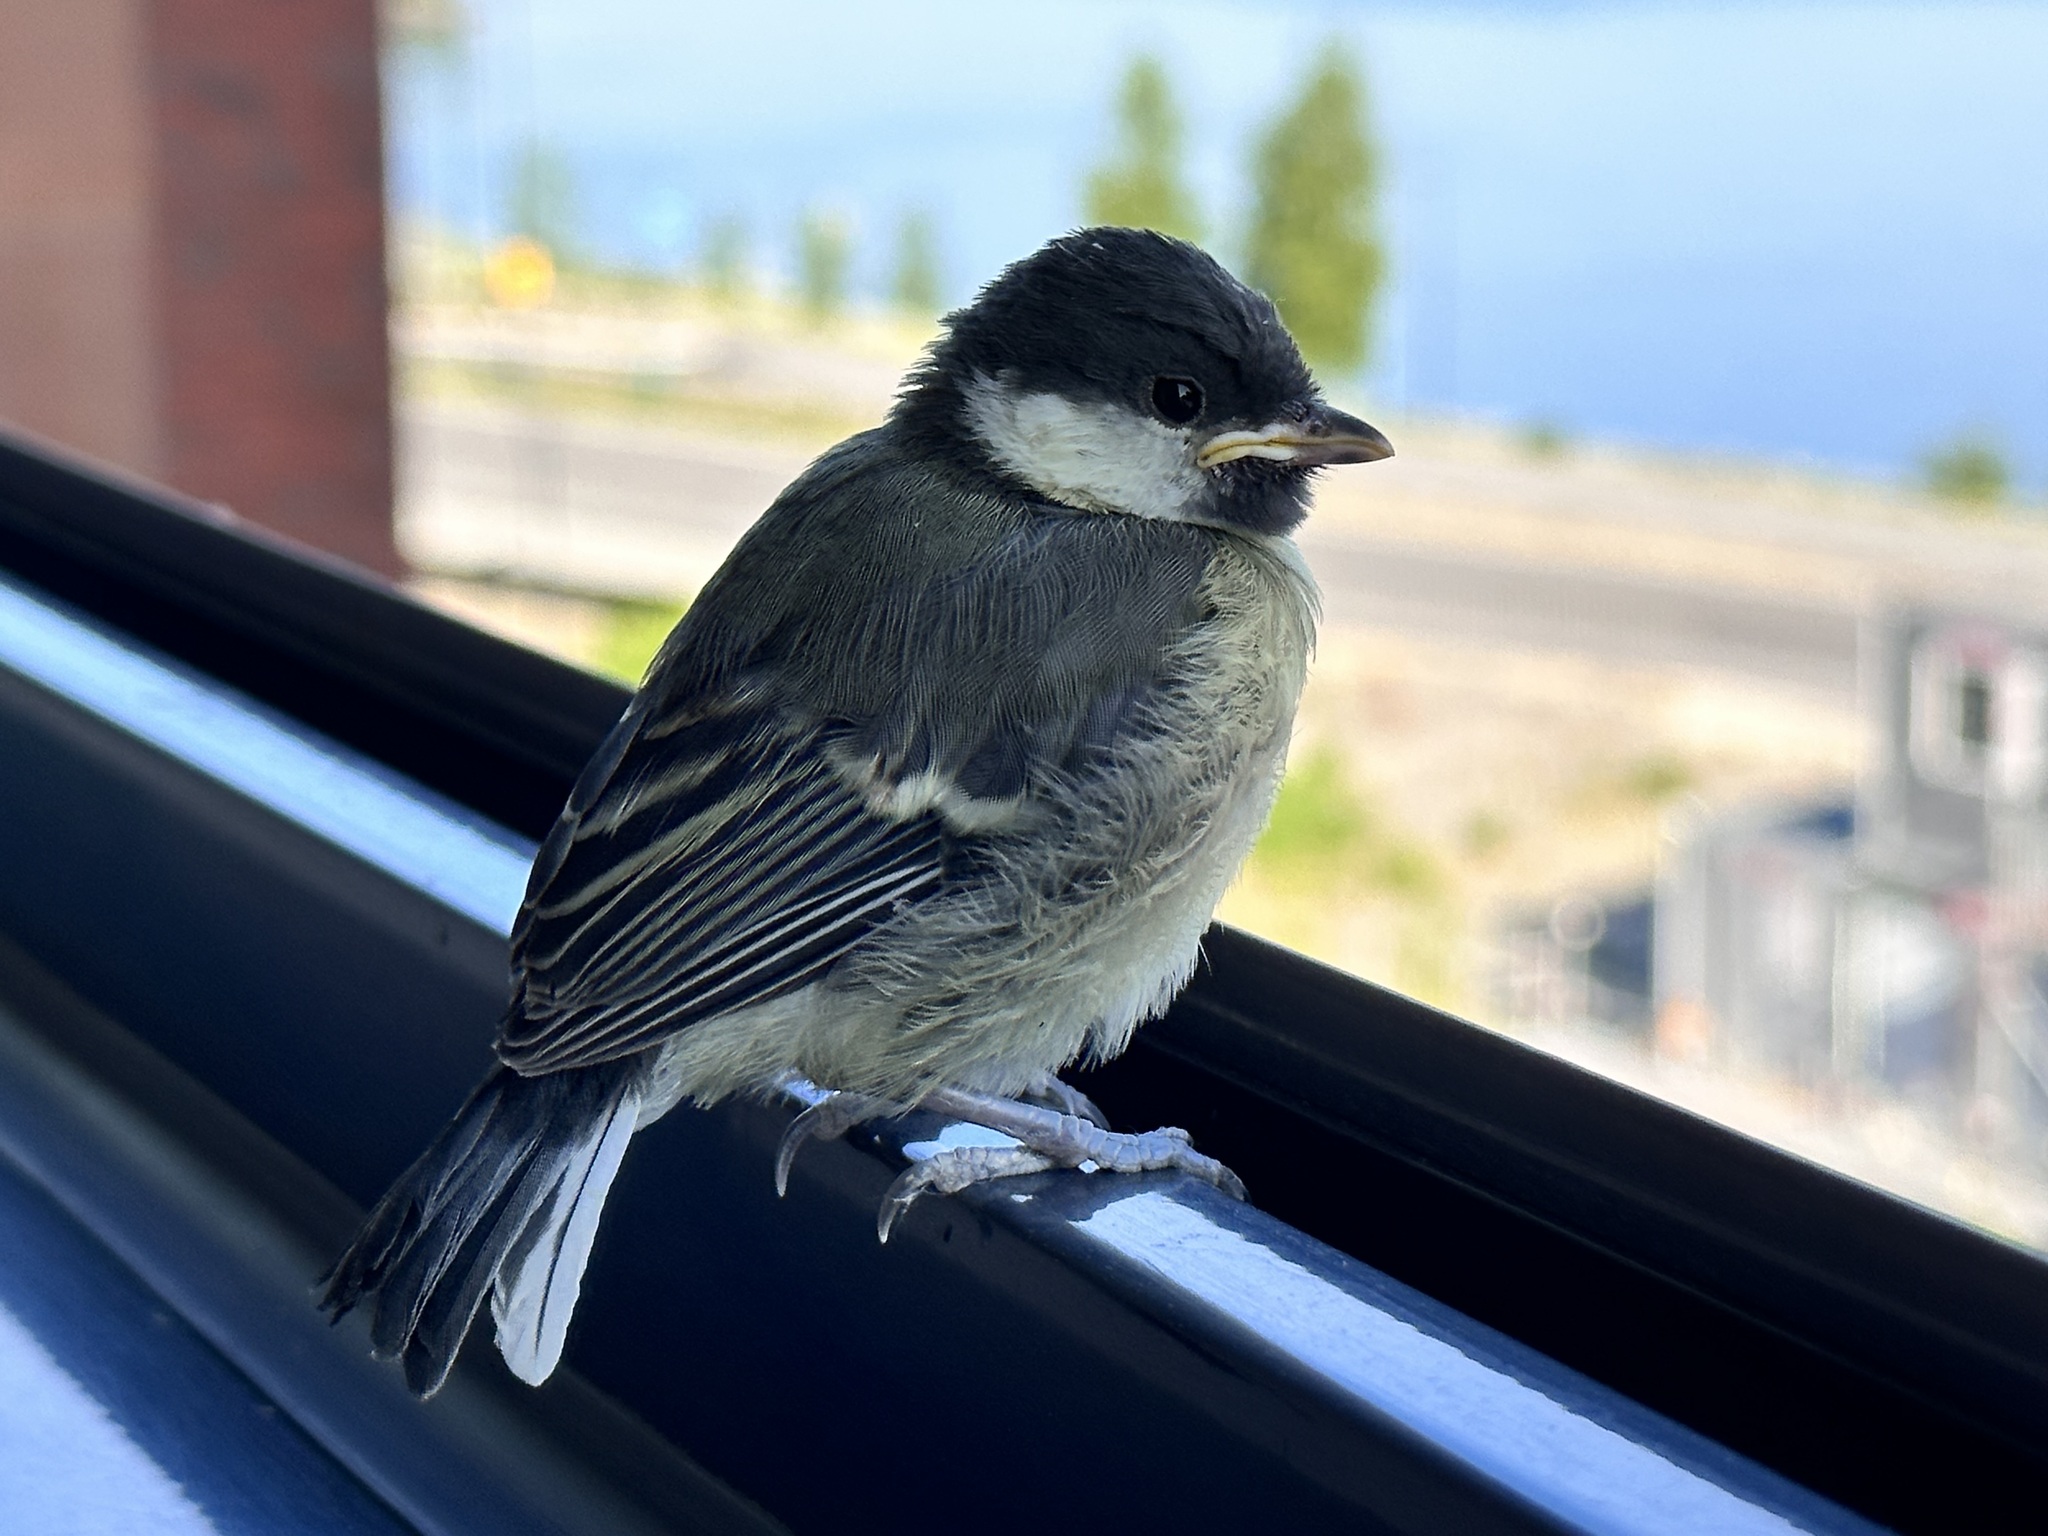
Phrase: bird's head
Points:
(1117, 370)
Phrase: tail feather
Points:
(455, 1293)
(536, 1290)
(507, 1198)
(484, 1193)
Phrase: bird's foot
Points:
(1064, 1098)
(1047, 1139)
(827, 1120)
(951, 1170)
(831, 1115)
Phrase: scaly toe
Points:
(1168, 1147)
(1070, 1141)
(1212, 1172)
(951, 1171)
(1064, 1097)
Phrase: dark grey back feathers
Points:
(931, 623)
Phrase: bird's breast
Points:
(1159, 833)
(1056, 937)
(1211, 760)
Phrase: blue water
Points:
(1802, 231)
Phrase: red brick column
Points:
(77, 157)
(192, 252)
(269, 265)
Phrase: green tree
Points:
(725, 257)
(631, 632)
(915, 286)
(824, 252)
(435, 30)
(1312, 245)
(1970, 471)
(542, 202)
(1140, 184)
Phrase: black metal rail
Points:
(331, 1008)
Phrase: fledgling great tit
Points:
(930, 794)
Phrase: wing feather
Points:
(715, 852)
(719, 863)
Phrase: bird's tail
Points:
(506, 1200)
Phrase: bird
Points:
(930, 794)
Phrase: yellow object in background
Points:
(520, 274)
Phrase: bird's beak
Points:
(1324, 436)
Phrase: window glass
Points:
(1680, 703)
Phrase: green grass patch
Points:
(1325, 835)
(631, 634)
(1656, 779)
(1485, 834)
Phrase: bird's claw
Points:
(951, 1171)
(1073, 1133)
(827, 1120)
(1046, 1140)
(1210, 1171)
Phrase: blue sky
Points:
(1804, 231)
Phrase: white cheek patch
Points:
(1098, 457)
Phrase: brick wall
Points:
(77, 325)
(195, 279)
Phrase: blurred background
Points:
(1682, 706)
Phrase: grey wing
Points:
(700, 866)
(715, 855)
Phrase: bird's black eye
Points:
(1178, 400)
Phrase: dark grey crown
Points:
(1101, 315)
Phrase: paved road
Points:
(1613, 615)
(633, 510)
